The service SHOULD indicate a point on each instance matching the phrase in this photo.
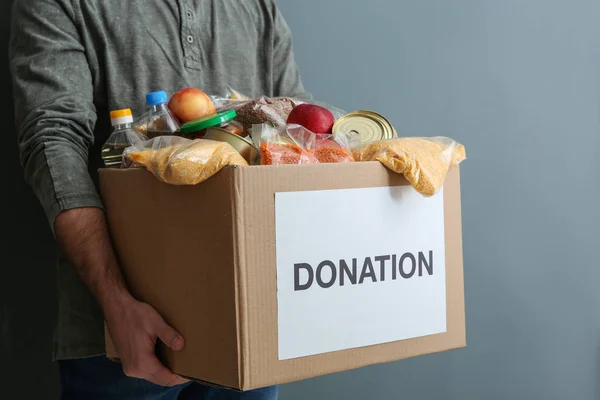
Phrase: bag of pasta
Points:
(423, 161)
(179, 161)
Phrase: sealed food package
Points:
(178, 161)
(295, 146)
(333, 149)
(265, 111)
(423, 161)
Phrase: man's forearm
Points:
(134, 326)
(83, 237)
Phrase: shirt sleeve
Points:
(286, 75)
(54, 110)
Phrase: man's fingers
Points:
(169, 336)
(138, 340)
(160, 375)
(167, 378)
(150, 369)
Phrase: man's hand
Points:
(134, 326)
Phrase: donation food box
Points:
(278, 274)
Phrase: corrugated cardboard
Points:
(204, 257)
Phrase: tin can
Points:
(242, 145)
(366, 127)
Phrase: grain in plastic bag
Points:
(265, 110)
(333, 148)
(179, 161)
(293, 146)
(424, 162)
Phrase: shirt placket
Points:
(189, 35)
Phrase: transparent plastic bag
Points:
(295, 146)
(298, 145)
(234, 95)
(229, 99)
(333, 149)
(424, 162)
(265, 110)
(179, 161)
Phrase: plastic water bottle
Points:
(123, 136)
(161, 121)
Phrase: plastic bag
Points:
(234, 95)
(333, 149)
(265, 110)
(229, 98)
(298, 145)
(423, 161)
(178, 161)
(295, 146)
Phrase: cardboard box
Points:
(278, 274)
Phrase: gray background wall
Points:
(518, 83)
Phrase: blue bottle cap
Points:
(156, 98)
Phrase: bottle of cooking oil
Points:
(160, 120)
(123, 136)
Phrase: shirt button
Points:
(190, 39)
(190, 15)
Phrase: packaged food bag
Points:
(423, 161)
(265, 110)
(294, 146)
(333, 148)
(179, 161)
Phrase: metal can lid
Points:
(368, 125)
(389, 128)
(242, 145)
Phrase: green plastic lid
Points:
(208, 121)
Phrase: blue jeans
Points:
(98, 378)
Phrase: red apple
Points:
(315, 118)
(191, 103)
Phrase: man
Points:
(72, 62)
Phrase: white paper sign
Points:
(358, 267)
